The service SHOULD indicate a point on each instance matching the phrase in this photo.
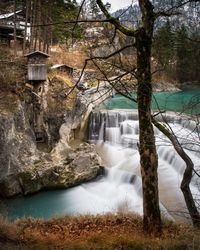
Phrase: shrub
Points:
(12, 72)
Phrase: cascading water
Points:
(116, 134)
(117, 145)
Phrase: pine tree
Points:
(182, 55)
(163, 48)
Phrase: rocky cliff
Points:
(18, 150)
(25, 169)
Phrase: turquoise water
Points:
(45, 204)
(186, 101)
(61, 202)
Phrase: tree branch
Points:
(113, 85)
(187, 176)
(115, 21)
(112, 54)
(171, 11)
(69, 22)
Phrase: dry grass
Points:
(8, 231)
(109, 232)
(58, 97)
(163, 78)
(12, 72)
(61, 54)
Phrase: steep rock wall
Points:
(18, 149)
(23, 168)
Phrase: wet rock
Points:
(79, 166)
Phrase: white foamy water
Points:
(120, 153)
(116, 135)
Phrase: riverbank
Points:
(35, 137)
(109, 232)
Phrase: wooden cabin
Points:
(37, 66)
(7, 29)
(63, 68)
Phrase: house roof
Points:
(37, 52)
(56, 66)
(4, 16)
(18, 37)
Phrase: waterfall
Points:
(116, 135)
(116, 138)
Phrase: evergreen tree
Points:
(64, 11)
(57, 12)
(163, 48)
(194, 61)
(177, 53)
(95, 11)
(182, 55)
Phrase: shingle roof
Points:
(37, 52)
(4, 16)
(55, 66)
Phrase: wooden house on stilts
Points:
(37, 75)
(37, 66)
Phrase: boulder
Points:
(80, 165)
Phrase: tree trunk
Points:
(36, 28)
(40, 22)
(148, 156)
(147, 147)
(25, 29)
(15, 30)
(47, 29)
(187, 176)
(32, 22)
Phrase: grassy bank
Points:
(106, 232)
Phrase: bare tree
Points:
(148, 156)
(187, 176)
(142, 40)
(26, 25)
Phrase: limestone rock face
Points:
(17, 147)
(84, 105)
(25, 170)
(78, 166)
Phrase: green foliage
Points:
(187, 55)
(61, 12)
(163, 48)
(177, 52)
(182, 54)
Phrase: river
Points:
(184, 101)
(115, 133)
